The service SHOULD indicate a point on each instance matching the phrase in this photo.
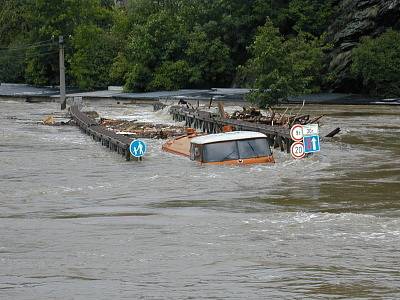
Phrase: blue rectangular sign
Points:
(311, 144)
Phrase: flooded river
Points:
(79, 222)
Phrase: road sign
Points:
(311, 144)
(296, 132)
(310, 129)
(297, 150)
(137, 148)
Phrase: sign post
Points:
(306, 139)
(62, 73)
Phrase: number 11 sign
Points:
(296, 133)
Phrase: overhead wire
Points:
(26, 48)
(40, 51)
(34, 45)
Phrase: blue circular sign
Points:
(137, 148)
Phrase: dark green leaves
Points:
(377, 63)
(282, 67)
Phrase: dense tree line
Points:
(276, 47)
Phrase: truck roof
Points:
(227, 136)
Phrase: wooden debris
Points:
(92, 114)
(49, 120)
(141, 129)
(56, 120)
(158, 106)
(333, 133)
(273, 118)
(221, 110)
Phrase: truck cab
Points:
(236, 147)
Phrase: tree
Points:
(377, 63)
(282, 67)
(12, 61)
(137, 78)
(161, 39)
(171, 76)
(312, 16)
(93, 56)
(209, 61)
(166, 44)
(37, 25)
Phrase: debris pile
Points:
(286, 119)
(92, 114)
(56, 119)
(140, 129)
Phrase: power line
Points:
(38, 52)
(25, 48)
(43, 53)
(35, 45)
(41, 42)
(22, 56)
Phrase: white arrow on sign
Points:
(314, 144)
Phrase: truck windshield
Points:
(232, 150)
(253, 148)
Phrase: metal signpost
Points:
(306, 140)
(62, 74)
(137, 148)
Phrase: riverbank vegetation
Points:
(279, 48)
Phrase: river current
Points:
(79, 222)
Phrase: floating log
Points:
(333, 133)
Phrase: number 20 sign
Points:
(297, 150)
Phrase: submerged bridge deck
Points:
(279, 137)
(108, 138)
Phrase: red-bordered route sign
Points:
(297, 150)
(296, 133)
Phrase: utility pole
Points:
(63, 99)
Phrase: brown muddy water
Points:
(79, 222)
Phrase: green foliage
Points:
(281, 67)
(12, 23)
(37, 25)
(12, 62)
(209, 60)
(173, 44)
(137, 78)
(312, 16)
(93, 56)
(377, 63)
(164, 42)
(171, 76)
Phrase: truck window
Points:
(195, 153)
(220, 151)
